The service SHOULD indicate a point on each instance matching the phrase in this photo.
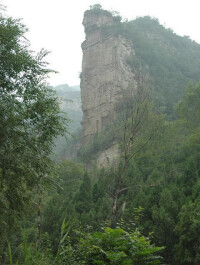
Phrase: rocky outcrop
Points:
(105, 72)
(108, 157)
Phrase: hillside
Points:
(70, 104)
(172, 61)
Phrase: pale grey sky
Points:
(57, 26)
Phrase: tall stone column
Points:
(105, 72)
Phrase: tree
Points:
(30, 121)
(188, 108)
(83, 199)
(60, 203)
(138, 124)
(96, 7)
(188, 248)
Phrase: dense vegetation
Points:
(124, 214)
(30, 121)
(163, 187)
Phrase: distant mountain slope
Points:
(70, 101)
(171, 61)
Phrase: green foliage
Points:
(112, 246)
(188, 228)
(188, 108)
(97, 10)
(161, 178)
(163, 54)
(30, 121)
(64, 252)
(84, 198)
(60, 201)
(28, 254)
(116, 246)
(100, 141)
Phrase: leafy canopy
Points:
(29, 122)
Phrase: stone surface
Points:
(108, 157)
(105, 72)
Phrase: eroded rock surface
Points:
(105, 72)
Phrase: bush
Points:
(116, 246)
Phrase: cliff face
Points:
(105, 72)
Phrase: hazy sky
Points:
(57, 26)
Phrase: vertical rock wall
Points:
(105, 72)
